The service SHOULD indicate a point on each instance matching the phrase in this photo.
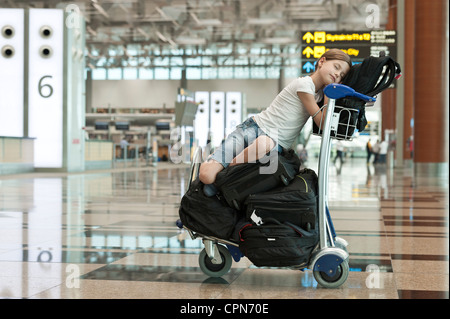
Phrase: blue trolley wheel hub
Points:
(328, 264)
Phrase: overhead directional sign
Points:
(357, 44)
(308, 67)
(322, 37)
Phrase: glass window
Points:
(225, 73)
(273, 72)
(193, 73)
(99, 74)
(276, 49)
(241, 60)
(161, 73)
(176, 61)
(160, 61)
(145, 74)
(101, 62)
(115, 74)
(132, 51)
(133, 62)
(175, 73)
(255, 50)
(258, 73)
(259, 61)
(194, 61)
(225, 50)
(207, 61)
(176, 51)
(241, 73)
(209, 73)
(292, 72)
(130, 73)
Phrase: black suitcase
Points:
(275, 244)
(296, 203)
(210, 216)
(237, 182)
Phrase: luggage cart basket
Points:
(329, 260)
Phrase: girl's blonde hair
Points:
(336, 54)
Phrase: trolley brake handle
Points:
(339, 91)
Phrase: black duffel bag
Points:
(275, 244)
(210, 216)
(237, 182)
(296, 203)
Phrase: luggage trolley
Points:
(329, 260)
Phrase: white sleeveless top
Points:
(285, 117)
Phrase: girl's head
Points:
(333, 65)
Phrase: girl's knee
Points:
(208, 171)
(205, 177)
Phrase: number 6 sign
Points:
(42, 86)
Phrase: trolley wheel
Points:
(214, 270)
(284, 180)
(341, 243)
(334, 281)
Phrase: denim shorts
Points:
(244, 135)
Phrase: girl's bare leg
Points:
(261, 146)
(208, 171)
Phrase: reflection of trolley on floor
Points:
(329, 260)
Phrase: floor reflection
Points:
(118, 227)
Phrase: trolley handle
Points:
(339, 91)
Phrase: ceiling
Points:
(136, 32)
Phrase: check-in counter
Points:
(98, 154)
(16, 155)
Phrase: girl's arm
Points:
(312, 108)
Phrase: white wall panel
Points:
(233, 111)
(217, 115)
(12, 72)
(202, 118)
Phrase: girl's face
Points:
(332, 71)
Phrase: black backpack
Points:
(372, 76)
(275, 244)
(210, 216)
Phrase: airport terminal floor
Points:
(112, 234)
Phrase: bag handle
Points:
(299, 230)
(393, 71)
(271, 220)
(268, 220)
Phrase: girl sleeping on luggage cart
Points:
(276, 127)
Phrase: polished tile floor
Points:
(112, 234)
